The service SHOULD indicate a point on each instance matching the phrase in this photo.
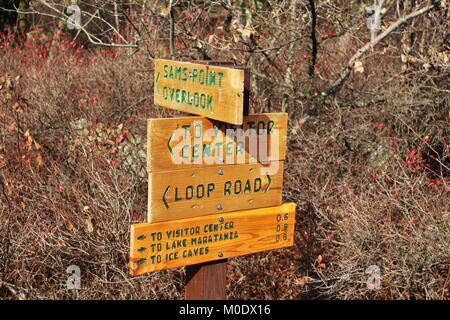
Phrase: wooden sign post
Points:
(208, 281)
(215, 182)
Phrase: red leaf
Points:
(330, 236)
(319, 259)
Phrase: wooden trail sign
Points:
(197, 141)
(178, 243)
(206, 90)
(194, 192)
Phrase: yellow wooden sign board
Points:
(194, 192)
(178, 243)
(205, 90)
(189, 142)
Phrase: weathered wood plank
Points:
(185, 193)
(177, 243)
(196, 141)
(210, 91)
(206, 281)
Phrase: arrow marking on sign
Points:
(164, 197)
(168, 143)
(269, 179)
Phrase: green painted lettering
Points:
(186, 130)
(207, 150)
(177, 198)
(209, 104)
(203, 101)
(211, 188)
(196, 99)
(220, 74)
(227, 191)
(189, 192)
(212, 78)
(201, 76)
(178, 73)
(247, 188)
(198, 130)
(200, 191)
(257, 185)
(238, 187)
(229, 148)
(194, 75)
(195, 151)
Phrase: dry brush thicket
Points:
(368, 161)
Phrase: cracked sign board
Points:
(188, 142)
(178, 243)
(185, 193)
(210, 91)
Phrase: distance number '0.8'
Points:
(282, 227)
